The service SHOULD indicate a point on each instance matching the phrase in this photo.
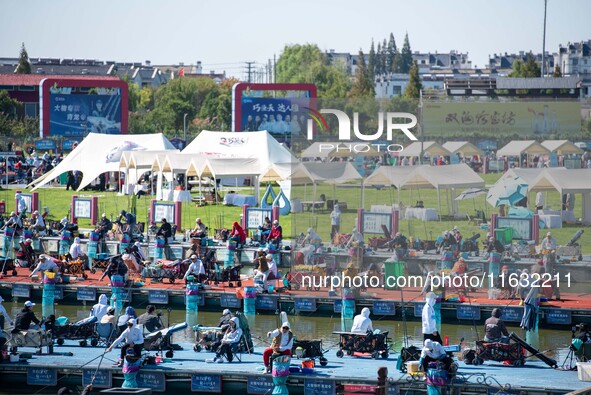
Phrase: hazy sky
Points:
(224, 34)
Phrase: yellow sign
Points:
(532, 119)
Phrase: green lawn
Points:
(217, 216)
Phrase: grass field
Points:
(58, 201)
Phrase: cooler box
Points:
(504, 235)
(392, 270)
(584, 371)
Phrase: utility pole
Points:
(274, 69)
(421, 125)
(249, 66)
(544, 41)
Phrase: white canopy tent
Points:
(562, 147)
(464, 148)
(527, 175)
(100, 153)
(430, 148)
(318, 150)
(449, 177)
(518, 147)
(136, 163)
(564, 181)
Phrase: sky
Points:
(224, 34)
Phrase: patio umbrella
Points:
(530, 310)
(471, 193)
(507, 192)
(520, 212)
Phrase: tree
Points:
(405, 57)
(24, 66)
(8, 106)
(392, 55)
(363, 86)
(307, 64)
(527, 69)
(384, 58)
(372, 66)
(413, 89)
(557, 72)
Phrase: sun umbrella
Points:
(507, 192)
(471, 193)
(530, 310)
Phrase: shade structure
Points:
(430, 148)
(518, 147)
(389, 175)
(464, 148)
(520, 212)
(507, 192)
(471, 193)
(562, 147)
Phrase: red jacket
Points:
(238, 231)
(276, 232)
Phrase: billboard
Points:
(278, 116)
(512, 119)
(78, 115)
(75, 106)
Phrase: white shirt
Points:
(437, 351)
(548, 244)
(272, 267)
(131, 336)
(286, 343)
(361, 324)
(5, 313)
(40, 222)
(48, 264)
(196, 268)
(76, 251)
(428, 318)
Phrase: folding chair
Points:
(106, 334)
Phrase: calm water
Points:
(553, 342)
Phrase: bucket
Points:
(49, 278)
(65, 235)
(232, 245)
(160, 242)
(126, 238)
(117, 281)
(250, 292)
(347, 294)
(494, 257)
(27, 234)
(9, 232)
(437, 377)
(413, 367)
(308, 364)
(193, 289)
(94, 236)
(281, 366)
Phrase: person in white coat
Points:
(4, 316)
(429, 323)
(133, 337)
(77, 253)
(335, 222)
(362, 323)
(232, 336)
(100, 309)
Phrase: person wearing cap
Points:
(433, 351)
(196, 268)
(231, 337)
(116, 267)
(126, 218)
(46, 263)
(21, 204)
(104, 226)
(224, 321)
(138, 253)
(400, 244)
(276, 233)
(356, 239)
(133, 337)
(109, 317)
(22, 321)
(4, 315)
(495, 329)
(429, 323)
(27, 252)
(150, 320)
(362, 323)
(273, 273)
(200, 229)
(549, 242)
(312, 238)
(123, 318)
(77, 253)
(100, 308)
(39, 223)
(262, 269)
(281, 344)
(14, 221)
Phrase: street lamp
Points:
(185, 128)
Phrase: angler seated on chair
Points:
(104, 226)
(195, 269)
(281, 345)
(400, 243)
(581, 345)
(133, 337)
(230, 342)
(433, 352)
(212, 339)
(275, 234)
(495, 329)
(165, 230)
(150, 320)
(14, 222)
(26, 253)
(38, 223)
(200, 230)
(22, 321)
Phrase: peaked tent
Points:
(100, 153)
(318, 150)
(562, 147)
(518, 147)
(464, 148)
(526, 174)
(430, 148)
(390, 175)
